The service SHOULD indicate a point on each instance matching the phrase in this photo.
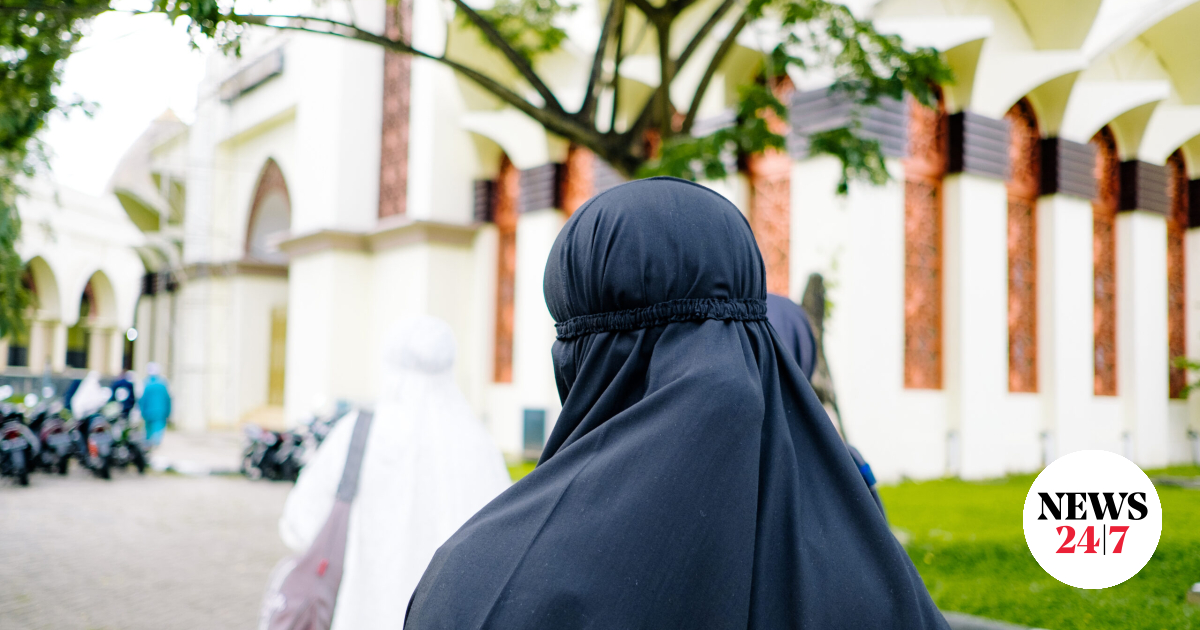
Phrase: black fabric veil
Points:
(692, 480)
(794, 330)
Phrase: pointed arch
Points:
(1024, 180)
(270, 214)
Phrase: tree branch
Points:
(616, 81)
(616, 12)
(665, 74)
(515, 58)
(653, 14)
(711, 70)
(703, 32)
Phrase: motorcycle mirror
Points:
(31, 400)
(47, 392)
(6, 392)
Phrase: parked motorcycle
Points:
(93, 439)
(274, 455)
(19, 449)
(54, 438)
(128, 446)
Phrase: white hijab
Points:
(429, 466)
(89, 397)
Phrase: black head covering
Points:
(692, 479)
(789, 320)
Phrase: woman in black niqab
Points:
(692, 479)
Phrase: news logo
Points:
(1092, 519)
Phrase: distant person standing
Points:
(123, 391)
(155, 404)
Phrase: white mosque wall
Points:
(1142, 365)
(338, 118)
(857, 243)
(329, 331)
(533, 333)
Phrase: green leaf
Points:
(529, 26)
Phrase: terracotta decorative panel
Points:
(507, 192)
(1177, 223)
(1104, 263)
(578, 182)
(397, 82)
(770, 174)
(1023, 185)
(924, 169)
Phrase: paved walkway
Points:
(158, 552)
(199, 453)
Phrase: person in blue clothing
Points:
(122, 391)
(155, 404)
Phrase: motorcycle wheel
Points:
(251, 471)
(22, 477)
(104, 469)
(61, 466)
(138, 458)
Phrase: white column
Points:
(1065, 321)
(1192, 308)
(4, 350)
(58, 346)
(976, 353)
(1142, 369)
(39, 346)
(97, 350)
(115, 339)
(330, 351)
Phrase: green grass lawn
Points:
(969, 546)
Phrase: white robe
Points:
(429, 466)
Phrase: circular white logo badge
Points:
(1092, 519)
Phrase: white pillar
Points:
(58, 347)
(1065, 321)
(97, 350)
(116, 351)
(1142, 367)
(976, 334)
(4, 349)
(39, 345)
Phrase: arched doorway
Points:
(93, 341)
(264, 354)
(270, 216)
(39, 346)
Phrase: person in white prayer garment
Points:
(429, 466)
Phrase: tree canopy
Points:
(35, 42)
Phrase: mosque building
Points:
(1016, 292)
(84, 275)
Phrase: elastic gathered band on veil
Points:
(673, 311)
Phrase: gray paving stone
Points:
(158, 552)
